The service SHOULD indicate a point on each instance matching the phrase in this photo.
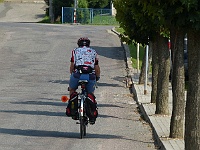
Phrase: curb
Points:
(147, 119)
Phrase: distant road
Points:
(31, 11)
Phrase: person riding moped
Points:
(85, 66)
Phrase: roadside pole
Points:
(62, 14)
(138, 57)
(75, 7)
(146, 70)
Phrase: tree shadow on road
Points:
(59, 81)
(38, 102)
(109, 105)
(57, 134)
(110, 52)
(42, 133)
(108, 84)
(38, 113)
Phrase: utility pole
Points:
(146, 69)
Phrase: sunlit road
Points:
(34, 74)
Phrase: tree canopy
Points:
(137, 24)
(98, 3)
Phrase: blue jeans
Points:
(75, 77)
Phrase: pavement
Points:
(160, 123)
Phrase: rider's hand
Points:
(97, 78)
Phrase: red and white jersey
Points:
(84, 56)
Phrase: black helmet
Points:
(83, 41)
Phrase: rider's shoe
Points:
(75, 117)
(92, 121)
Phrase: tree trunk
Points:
(192, 114)
(162, 104)
(142, 73)
(154, 71)
(178, 85)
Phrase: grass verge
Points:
(133, 51)
(46, 19)
(104, 20)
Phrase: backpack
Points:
(91, 106)
(72, 107)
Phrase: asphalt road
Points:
(34, 74)
(21, 12)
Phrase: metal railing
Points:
(88, 16)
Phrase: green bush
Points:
(83, 15)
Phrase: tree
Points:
(171, 16)
(83, 4)
(58, 4)
(135, 30)
(160, 14)
(178, 84)
(83, 14)
(155, 66)
(176, 15)
(138, 25)
(154, 16)
(192, 114)
(162, 97)
(98, 3)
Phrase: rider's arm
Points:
(97, 70)
(72, 63)
(97, 67)
(71, 67)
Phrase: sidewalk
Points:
(160, 124)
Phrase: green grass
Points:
(46, 19)
(133, 53)
(1, 1)
(120, 30)
(104, 20)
